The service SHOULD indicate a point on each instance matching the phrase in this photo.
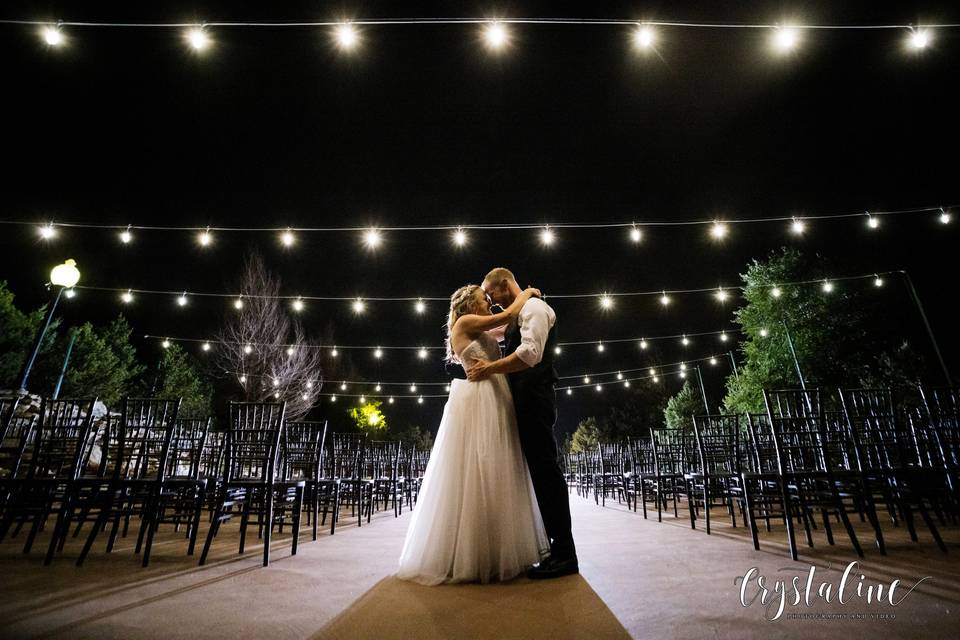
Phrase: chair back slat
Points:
(253, 441)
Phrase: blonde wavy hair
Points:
(461, 303)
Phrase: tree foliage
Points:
(681, 408)
(586, 436)
(101, 363)
(18, 330)
(180, 377)
(369, 419)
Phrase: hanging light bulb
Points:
(47, 231)
(420, 400)
(248, 349)
(413, 388)
(606, 301)
(305, 396)
(378, 353)
(656, 379)
(309, 384)
(205, 346)
(243, 379)
(619, 375)
(644, 345)
(343, 386)
(685, 341)
(785, 39)
(460, 237)
(547, 237)
(52, 35)
(238, 303)
(721, 295)
(297, 305)
(290, 351)
(204, 238)
(586, 379)
(600, 347)
(422, 353)
(944, 217)
(626, 383)
(359, 306)
(276, 382)
(447, 388)
(372, 238)
(198, 38)
(776, 292)
(598, 388)
(287, 238)
(557, 350)
(346, 36)
(420, 306)
(635, 234)
(377, 388)
(390, 400)
(764, 333)
(798, 227)
(653, 372)
(569, 391)
(333, 398)
(496, 36)
(827, 286)
(919, 38)
(334, 353)
(182, 299)
(683, 374)
(719, 230)
(723, 336)
(683, 366)
(363, 399)
(664, 299)
(713, 361)
(873, 222)
(165, 344)
(127, 296)
(126, 236)
(878, 281)
(644, 36)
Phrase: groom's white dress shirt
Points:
(535, 321)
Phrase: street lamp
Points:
(63, 276)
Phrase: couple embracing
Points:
(494, 501)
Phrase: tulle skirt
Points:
(476, 518)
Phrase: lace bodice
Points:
(485, 347)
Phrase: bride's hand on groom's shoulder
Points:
(533, 292)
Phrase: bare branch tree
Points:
(264, 350)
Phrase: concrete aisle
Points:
(639, 577)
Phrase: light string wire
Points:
(480, 226)
(332, 346)
(476, 20)
(611, 294)
(373, 383)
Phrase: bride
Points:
(476, 517)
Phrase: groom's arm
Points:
(483, 369)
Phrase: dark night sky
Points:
(422, 126)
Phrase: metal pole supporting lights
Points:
(62, 277)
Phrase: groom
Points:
(530, 344)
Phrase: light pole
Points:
(63, 276)
(926, 324)
(703, 391)
(66, 363)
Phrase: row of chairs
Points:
(855, 451)
(151, 466)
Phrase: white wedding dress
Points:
(476, 518)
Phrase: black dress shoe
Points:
(554, 568)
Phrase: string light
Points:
(70, 293)
(206, 346)
(719, 230)
(165, 344)
(198, 38)
(204, 238)
(52, 36)
(586, 379)
(785, 39)
(827, 286)
(377, 388)
(422, 353)
(276, 382)
(460, 237)
(644, 345)
(721, 295)
(878, 281)
(653, 372)
(626, 383)
(919, 38)
(447, 388)
(359, 306)
(569, 391)
(126, 236)
(644, 37)
(378, 353)
(665, 299)
(297, 305)
(873, 222)
(47, 231)
(127, 297)
(798, 227)
(182, 300)
(287, 238)
(372, 238)
(390, 400)
(290, 351)
(600, 347)
(685, 341)
(547, 237)
(347, 36)
(334, 353)
(557, 350)
(363, 399)
(248, 349)
(333, 398)
(420, 306)
(496, 36)
(724, 337)
(309, 384)
(343, 386)
(619, 375)
(944, 217)
(764, 333)
(238, 303)
(598, 388)
(606, 302)
(243, 379)
(776, 292)
(420, 400)
(635, 234)
(413, 388)
(713, 361)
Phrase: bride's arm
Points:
(473, 323)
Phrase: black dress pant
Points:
(535, 405)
